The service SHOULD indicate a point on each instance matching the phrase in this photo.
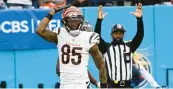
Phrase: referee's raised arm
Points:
(135, 43)
(101, 15)
(118, 53)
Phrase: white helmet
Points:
(72, 19)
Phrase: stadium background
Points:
(27, 59)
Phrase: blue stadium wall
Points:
(28, 59)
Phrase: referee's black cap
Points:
(118, 27)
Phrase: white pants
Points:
(75, 85)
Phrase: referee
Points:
(118, 54)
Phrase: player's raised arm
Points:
(98, 59)
(45, 33)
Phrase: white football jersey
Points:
(74, 55)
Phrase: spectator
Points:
(83, 3)
(169, 3)
(60, 3)
(172, 2)
(20, 4)
(35, 3)
(2, 5)
(151, 2)
(101, 2)
(46, 4)
(120, 2)
(69, 1)
(111, 2)
(147, 2)
(51, 3)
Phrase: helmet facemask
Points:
(73, 21)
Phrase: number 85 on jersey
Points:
(70, 54)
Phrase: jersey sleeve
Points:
(94, 39)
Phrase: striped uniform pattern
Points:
(118, 60)
(94, 38)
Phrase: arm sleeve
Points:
(94, 39)
(147, 76)
(135, 43)
(101, 45)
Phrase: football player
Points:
(74, 47)
(85, 27)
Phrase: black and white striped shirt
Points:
(118, 58)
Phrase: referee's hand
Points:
(101, 15)
(138, 13)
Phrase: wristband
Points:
(49, 16)
(97, 84)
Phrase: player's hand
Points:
(101, 15)
(52, 12)
(138, 12)
(97, 85)
(61, 8)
